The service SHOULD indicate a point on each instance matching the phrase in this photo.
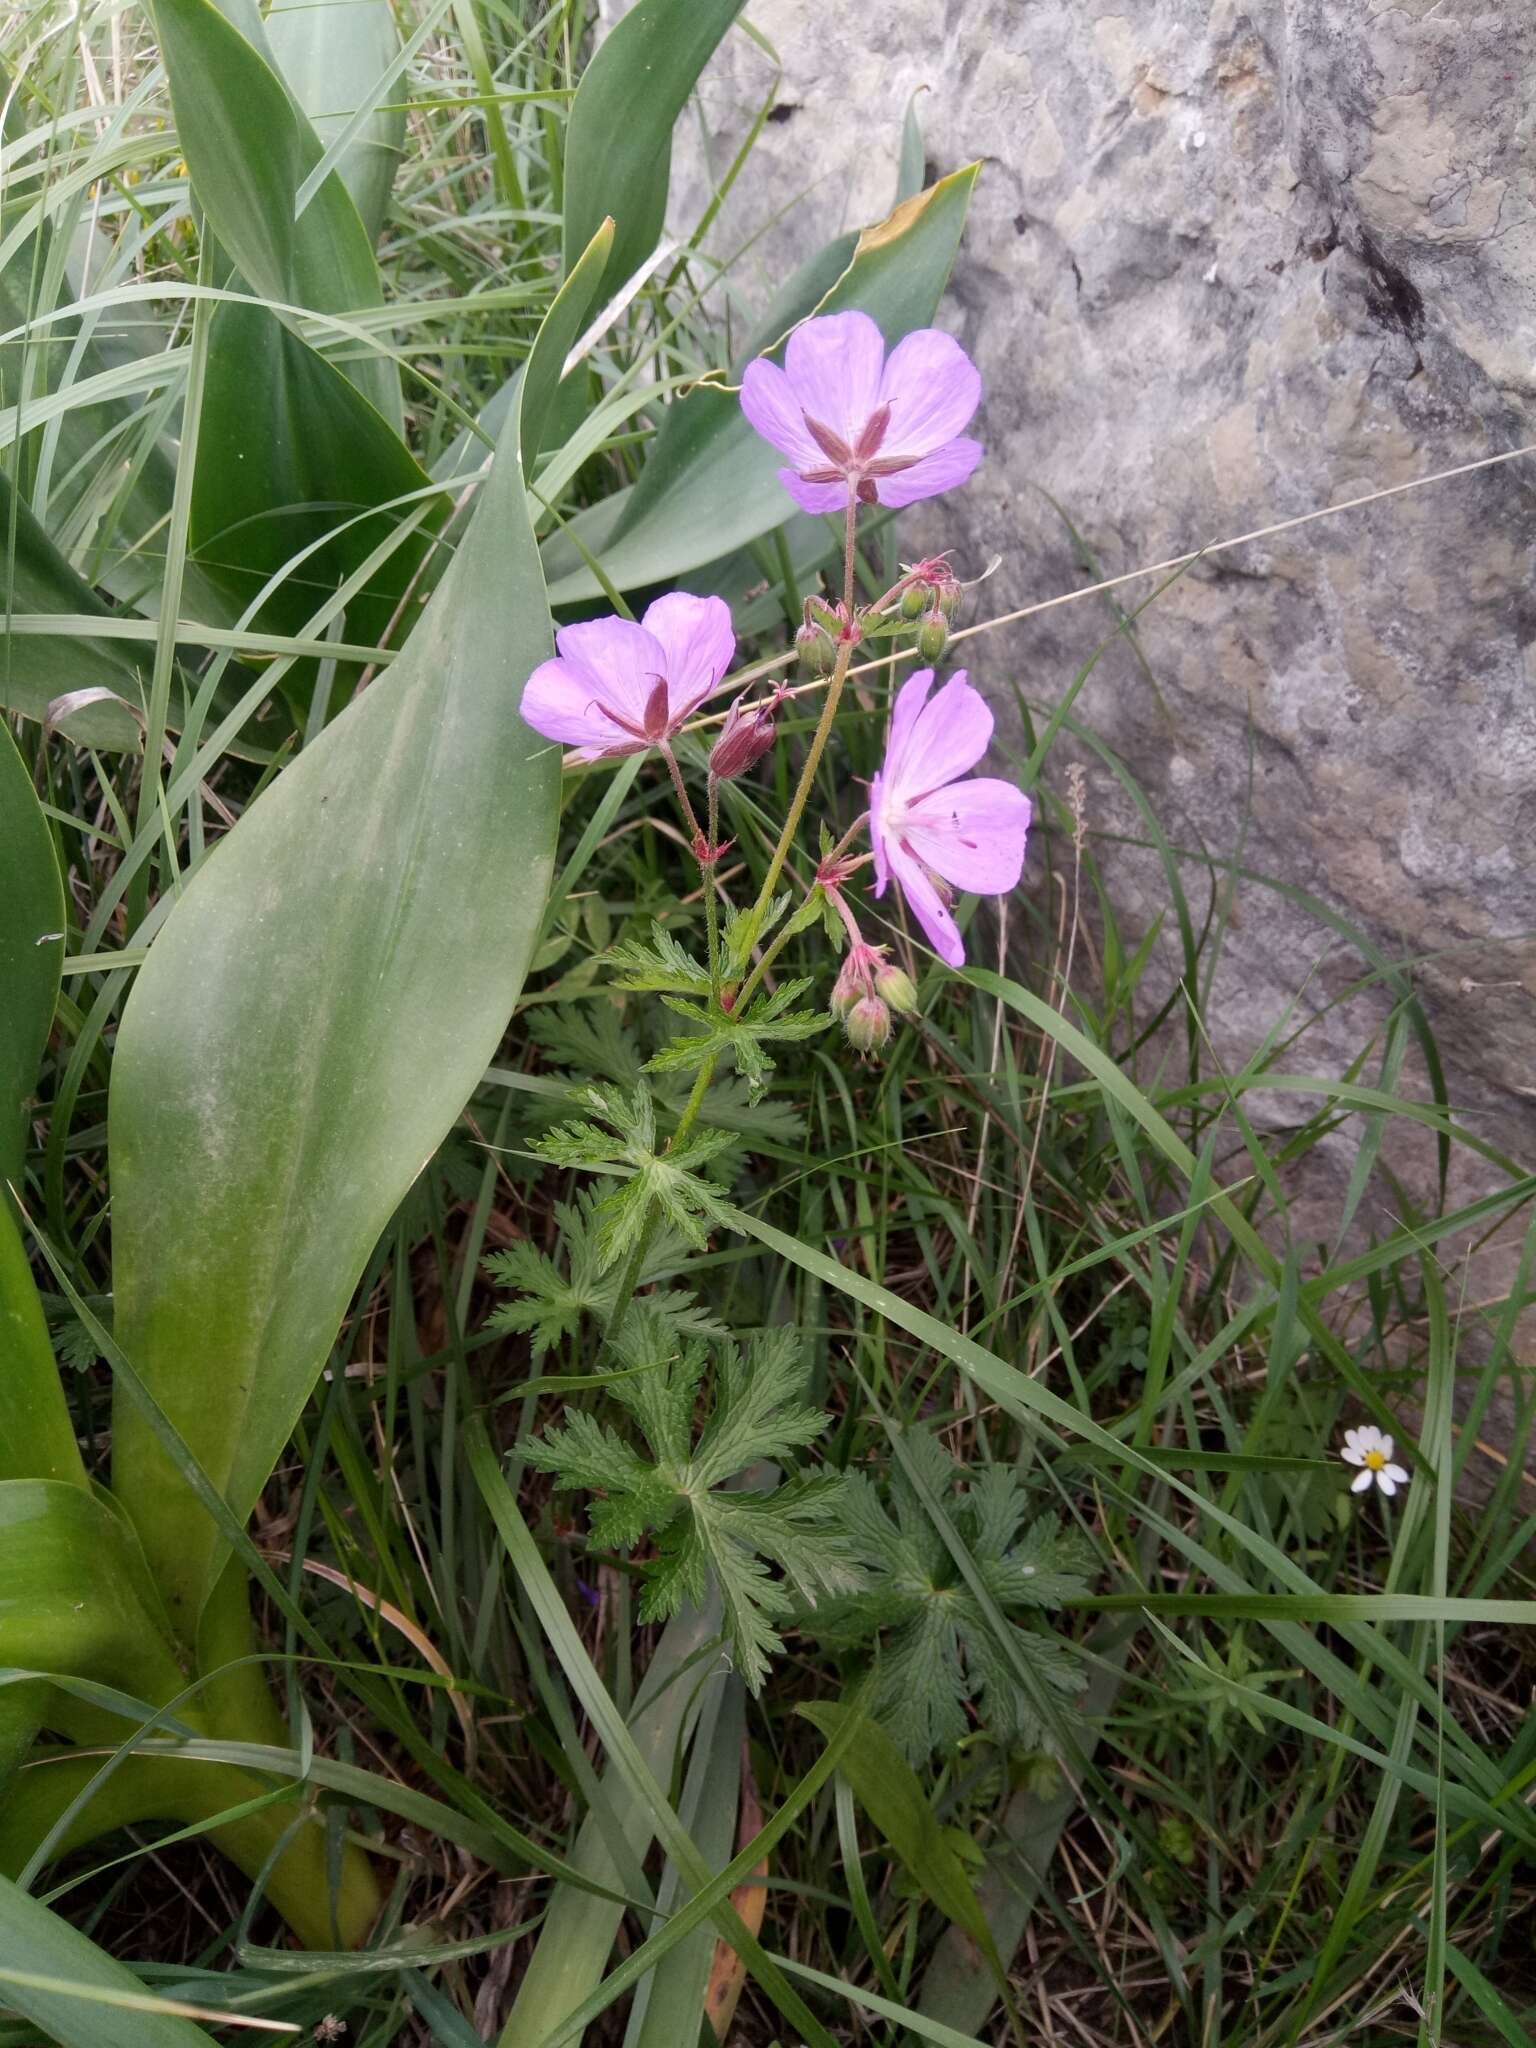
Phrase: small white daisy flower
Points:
(1372, 1452)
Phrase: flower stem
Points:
(845, 647)
(711, 908)
(682, 795)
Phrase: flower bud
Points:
(914, 600)
(932, 634)
(868, 1024)
(897, 988)
(950, 597)
(817, 649)
(856, 978)
(745, 737)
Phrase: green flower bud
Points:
(817, 650)
(897, 988)
(868, 1025)
(932, 634)
(914, 600)
(949, 601)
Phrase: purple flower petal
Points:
(698, 644)
(814, 497)
(833, 364)
(944, 470)
(593, 695)
(771, 407)
(928, 907)
(557, 702)
(949, 736)
(972, 833)
(910, 699)
(616, 660)
(932, 388)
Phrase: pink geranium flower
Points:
(931, 830)
(618, 688)
(849, 417)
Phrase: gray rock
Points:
(1229, 263)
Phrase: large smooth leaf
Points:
(289, 452)
(35, 668)
(618, 147)
(31, 947)
(75, 1992)
(37, 1440)
(315, 1011)
(711, 483)
(333, 54)
(74, 1596)
(248, 147)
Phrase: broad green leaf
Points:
(315, 1011)
(332, 54)
(31, 947)
(75, 1992)
(74, 1596)
(35, 668)
(248, 147)
(887, 1788)
(618, 145)
(289, 451)
(37, 1440)
(711, 483)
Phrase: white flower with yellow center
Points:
(1372, 1452)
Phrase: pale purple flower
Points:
(928, 828)
(847, 415)
(618, 688)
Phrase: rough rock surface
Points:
(1229, 263)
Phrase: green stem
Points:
(711, 908)
(845, 647)
(761, 966)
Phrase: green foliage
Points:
(938, 1648)
(767, 1020)
(558, 1294)
(676, 1487)
(659, 1179)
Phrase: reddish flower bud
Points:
(745, 737)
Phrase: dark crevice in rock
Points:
(1392, 296)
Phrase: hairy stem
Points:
(845, 647)
(711, 908)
